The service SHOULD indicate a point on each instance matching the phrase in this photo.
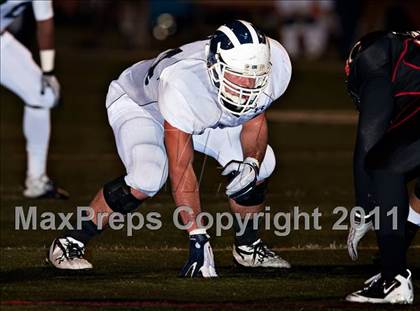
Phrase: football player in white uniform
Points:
(37, 87)
(209, 96)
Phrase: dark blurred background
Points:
(309, 29)
(98, 39)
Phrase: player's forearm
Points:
(415, 202)
(185, 192)
(45, 36)
(184, 183)
(254, 138)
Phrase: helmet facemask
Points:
(234, 95)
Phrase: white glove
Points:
(356, 233)
(48, 80)
(244, 176)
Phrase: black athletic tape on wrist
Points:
(49, 73)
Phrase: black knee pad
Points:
(118, 196)
(254, 197)
(417, 188)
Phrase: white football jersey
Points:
(178, 85)
(11, 9)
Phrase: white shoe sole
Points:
(245, 264)
(361, 299)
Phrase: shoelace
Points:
(70, 251)
(74, 251)
(261, 251)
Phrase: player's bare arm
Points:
(415, 201)
(185, 190)
(254, 137)
(45, 37)
(45, 34)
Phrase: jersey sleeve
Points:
(43, 10)
(374, 61)
(183, 103)
(281, 69)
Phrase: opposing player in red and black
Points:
(383, 78)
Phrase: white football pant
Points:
(20, 74)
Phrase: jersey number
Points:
(168, 54)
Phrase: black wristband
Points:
(49, 73)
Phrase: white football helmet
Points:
(238, 62)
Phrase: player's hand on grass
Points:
(49, 80)
(243, 176)
(201, 260)
(358, 230)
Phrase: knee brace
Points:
(118, 196)
(254, 197)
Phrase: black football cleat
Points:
(377, 290)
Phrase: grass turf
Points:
(313, 170)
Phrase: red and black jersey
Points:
(392, 55)
(406, 68)
(383, 77)
(406, 81)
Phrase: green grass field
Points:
(313, 170)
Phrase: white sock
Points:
(36, 129)
(413, 217)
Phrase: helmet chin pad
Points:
(235, 110)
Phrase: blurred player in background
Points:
(307, 22)
(37, 87)
(383, 77)
(209, 96)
